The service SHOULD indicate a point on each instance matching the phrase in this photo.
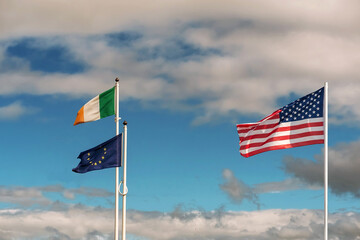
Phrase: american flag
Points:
(297, 124)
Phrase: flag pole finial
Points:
(116, 79)
(125, 123)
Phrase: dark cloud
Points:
(176, 50)
(123, 39)
(347, 228)
(237, 190)
(280, 186)
(55, 234)
(344, 168)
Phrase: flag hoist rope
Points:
(123, 164)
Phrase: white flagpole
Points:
(125, 190)
(117, 118)
(326, 161)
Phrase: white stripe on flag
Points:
(267, 135)
(91, 110)
(283, 133)
(283, 143)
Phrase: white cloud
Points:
(13, 111)
(80, 222)
(267, 45)
(29, 196)
(41, 17)
(75, 223)
(23, 196)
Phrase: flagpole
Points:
(326, 161)
(117, 187)
(125, 190)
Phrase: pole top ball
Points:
(116, 79)
(125, 122)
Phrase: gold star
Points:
(88, 154)
(102, 157)
(99, 161)
(88, 159)
(95, 164)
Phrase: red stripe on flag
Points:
(320, 141)
(282, 129)
(282, 138)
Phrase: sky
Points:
(189, 72)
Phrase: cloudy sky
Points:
(189, 71)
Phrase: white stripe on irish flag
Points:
(97, 108)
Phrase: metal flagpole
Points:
(125, 190)
(326, 161)
(117, 118)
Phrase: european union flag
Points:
(105, 155)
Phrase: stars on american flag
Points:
(309, 106)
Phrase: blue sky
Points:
(188, 73)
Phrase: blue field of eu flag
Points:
(105, 155)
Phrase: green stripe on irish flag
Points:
(99, 107)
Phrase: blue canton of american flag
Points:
(297, 124)
(310, 106)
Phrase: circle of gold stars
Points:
(99, 161)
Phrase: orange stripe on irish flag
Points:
(80, 116)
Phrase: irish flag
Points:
(99, 107)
